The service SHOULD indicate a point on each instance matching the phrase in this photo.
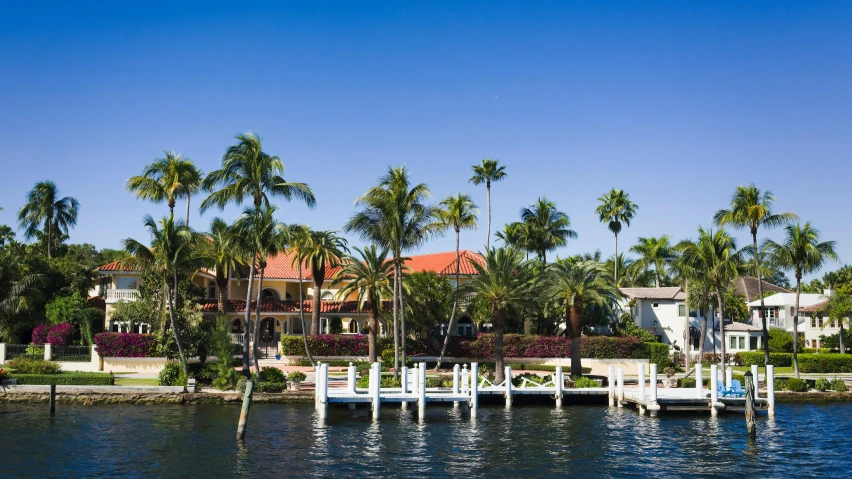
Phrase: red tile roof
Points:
(114, 266)
(285, 306)
(814, 308)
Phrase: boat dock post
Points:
(350, 378)
(611, 386)
(641, 395)
(714, 390)
(508, 373)
(375, 388)
(474, 388)
(653, 407)
(756, 381)
(558, 383)
(456, 391)
(699, 381)
(403, 380)
(322, 389)
(770, 389)
(421, 389)
(620, 387)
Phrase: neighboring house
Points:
(780, 311)
(280, 305)
(662, 312)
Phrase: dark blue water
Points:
(530, 441)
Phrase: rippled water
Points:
(526, 441)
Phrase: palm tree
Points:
(457, 212)
(633, 275)
(656, 252)
(175, 250)
(802, 253)
(549, 228)
(45, 211)
(20, 292)
(615, 209)
(517, 235)
(488, 171)
(369, 276)
(713, 258)
(167, 179)
(224, 250)
(299, 235)
(838, 308)
(504, 280)
(247, 171)
(576, 285)
(321, 251)
(395, 216)
(751, 208)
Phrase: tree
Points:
(395, 216)
(299, 235)
(549, 228)
(503, 280)
(713, 259)
(576, 286)
(838, 309)
(370, 277)
(175, 251)
(656, 252)
(518, 235)
(20, 293)
(167, 179)
(225, 253)
(45, 211)
(429, 300)
(615, 209)
(750, 208)
(321, 251)
(488, 171)
(633, 274)
(456, 212)
(802, 253)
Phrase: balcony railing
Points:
(115, 295)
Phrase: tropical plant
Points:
(802, 253)
(547, 227)
(370, 277)
(428, 301)
(299, 235)
(751, 208)
(47, 213)
(657, 253)
(167, 179)
(503, 279)
(456, 212)
(488, 171)
(226, 255)
(632, 274)
(838, 308)
(395, 216)
(616, 208)
(577, 285)
(321, 251)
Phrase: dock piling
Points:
(611, 386)
(52, 399)
(465, 380)
(714, 389)
(404, 383)
(558, 383)
(375, 388)
(474, 388)
(456, 384)
(421, 389)
(756, 381)
(699, 381)
(350, 378)
(770, 390)
(508, 374)
(641, 377)
(322, 387)
(620, 387)
(652, 396)
(749, 405)
(729, 375)
(244, 412)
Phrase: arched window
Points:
(288, 296)
(327, 296)
(237, 326)
(269, 293)
(211, 290)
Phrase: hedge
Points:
(825, 363)
(331, 345)
(125, 345)
(65, 379)
(779, 360)
(659, 354)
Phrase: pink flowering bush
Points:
(331, 345)
(125, 345)
(521, 346)
(40, 334)
(60, 334)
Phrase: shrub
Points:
(125, 345)
(779, 360)
(271, 386)
(585, 382)
(172, 375)
(522, 346)
(241, 384)
(837, 385)
(822, 384)
(332, 345)
(434, 382)
(797, 385)
(272, 375)
(388, 357)
(227, 379)
(60, 334)
(659, 354)
(40, 334)
(780, 341)
(296, 376)
(65, 379)
(335, 326)
(825, 363)
(386, 382)
(780, 384)
(29, 365)
(3, 374)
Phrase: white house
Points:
(780, 312)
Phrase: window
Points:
(656, 305)
(769, 313)
(681, 310)
(737, 342)
(288, 296)
(813, 323)
(835, 324)
(125, 282)
(327, 296)
(821, 323)
(211, 290)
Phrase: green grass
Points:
(137, 382)
(761, 370)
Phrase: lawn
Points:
(137, 382)
(761, 370)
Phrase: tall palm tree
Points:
(167, 179)
(504, 280)
(456, 212)
(248, 172)
(321, 251)
(576, 285)
(370, 277)
(616, 208)
(175, 251)
(633, 275)
(751, 208)
(549, 227)
(395, 215)
(802, 253)
(299, 236)
(225, 252)
(838, 308)
(656, 252)
(45, 211)
(517, 235)
(488, 171)
(715, 259)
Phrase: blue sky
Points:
(675, 102)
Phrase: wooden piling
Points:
(52, 399)
(244, 412)
(749, 405)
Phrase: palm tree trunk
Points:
(615, 260)
(497, 316)
(187, 210)
(222, 285)
(703, 338)
(796, 327)
(172, 301)
(246, 335)
(762, 315)
(842, 347)
(374, 326)
(452, 324)
(49, 228)
(488, 196)
(316, 301)
(656, 277)
(257, 325)
(721, 325)
(687, 343)
(302, 315)
(395, 321)
(575, 318)
(402, 337)
(712, 315)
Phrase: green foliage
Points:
(584, 382)
(519, 379)
(735, 307)
(428, 302)
(227, 379)
(65, 379)
(30, 365)
(837, 385)
(434, 382)
(822, 384)
(626, 326)
(135, 312)
(386, 382)
(335, 326)
(825, 363)
(780, 341)
(64, 309)
(297, 376)
(780, 384)
(271, 386)
(797, 385)
(388, 357)
(779, 360)
(660, 355)
(172, 375)
(272, 374)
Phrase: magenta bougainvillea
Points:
(40, 334)
(60, 334)
(125, 345)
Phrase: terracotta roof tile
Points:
(747, 286)
(814, 307)
(741, 327)
(445, 263)
(114, 266)
(285, 306)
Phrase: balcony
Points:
(116, 295)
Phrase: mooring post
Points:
(620, 387)
(699, 381)
(350, 378)
(714, 388)
(316, 385)
(465, 379)
(749, 405)
(611, 385)
(508, 394)
(474, 388)
(641, 372)
(404, 383)
(52, 399)
(455, 384)
(375, 388)
(652, 396)
(770, 389)
(729, 375)
(756, 381)
(244, 412)
(421, 398)
(323, 407)
(558, 383)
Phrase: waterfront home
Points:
(780, 311)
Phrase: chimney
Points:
(828, 292)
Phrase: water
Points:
(526, 441)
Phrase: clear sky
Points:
(675, 102)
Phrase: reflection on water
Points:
(522, 441)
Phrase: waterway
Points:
(525, 441)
